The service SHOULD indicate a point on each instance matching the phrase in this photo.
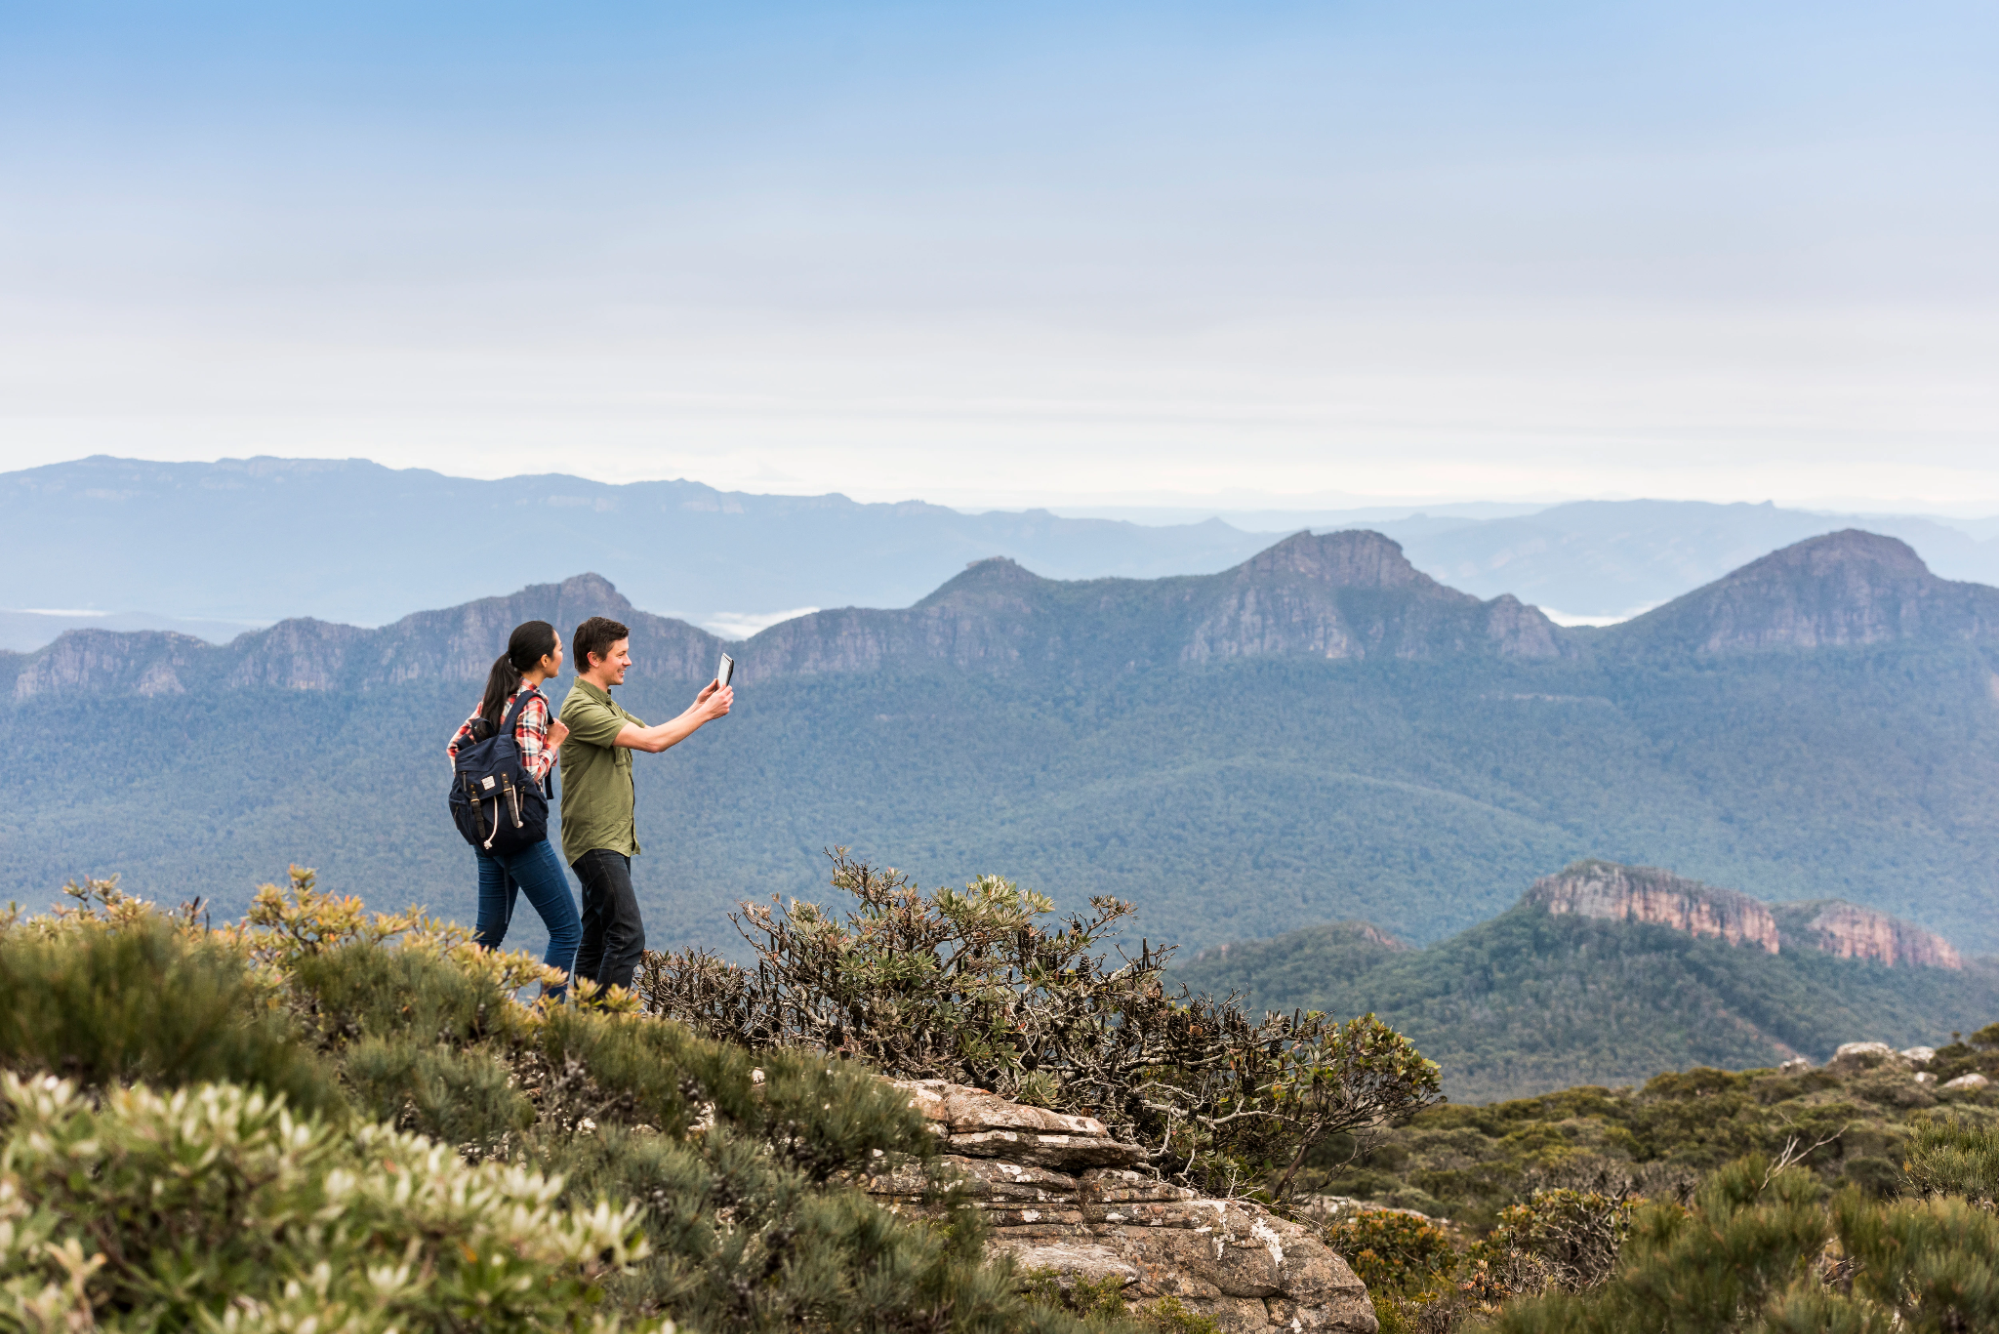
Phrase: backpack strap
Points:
(513, 711)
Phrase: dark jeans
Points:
(614, 936)
(537, 870)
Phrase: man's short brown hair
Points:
(596, 636)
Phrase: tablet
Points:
(726, 670)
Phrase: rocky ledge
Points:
(1063, 1195)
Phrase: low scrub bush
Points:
(214, 1207)
(972, 986)
(1762, 1247)
(1952, 1157)
(323, 1118)
(146, 1003)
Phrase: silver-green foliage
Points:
(214, 1206)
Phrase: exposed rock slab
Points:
(1063, 1196)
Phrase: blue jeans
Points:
(537, 870)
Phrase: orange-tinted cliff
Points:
(1855, 933)
(1594, 889)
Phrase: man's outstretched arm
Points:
(712, 703)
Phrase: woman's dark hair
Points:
(528, 645)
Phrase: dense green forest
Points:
(1232, 801)
(1531, 1001)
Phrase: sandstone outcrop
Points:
(1855, 933)
(1608, 890)
(1646, 894)
(1063, 1195)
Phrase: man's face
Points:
(611, 666)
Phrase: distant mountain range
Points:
(1321, 732)
(210, 548)
(1606, 975)
(347, 540)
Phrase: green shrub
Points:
(1952, 1157)
(1731, 1258)
(106, 1003)
(970, 986)
(1394, 1252)
(1573, 1237)
(214, 1207)
(469, 1162)
(1762, 1250)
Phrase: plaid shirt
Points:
(530, 734)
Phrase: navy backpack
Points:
(496, 804)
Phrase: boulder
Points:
(1919, 1055)
(1970, 1081)
(1862, 1054)
(1795, 1066)
(960, 1108)
(1063, 1196)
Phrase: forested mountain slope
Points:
(1607, 974)
(1321, 733)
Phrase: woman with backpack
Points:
(501, 760)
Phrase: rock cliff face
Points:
(1646, 894)
(1855, 933)
(1596, 889)
(1062, 1195)
(141, 662)
(1842, 589)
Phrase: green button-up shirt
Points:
(596, 775)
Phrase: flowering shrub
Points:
(1394, 1251)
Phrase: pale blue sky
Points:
(1064, 254)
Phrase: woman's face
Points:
(551, 662)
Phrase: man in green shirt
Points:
(599, 837)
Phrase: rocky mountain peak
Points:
(1353, 594)
(997, 582)
(1839, 589)
(1349, 559)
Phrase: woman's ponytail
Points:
(501, 683)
